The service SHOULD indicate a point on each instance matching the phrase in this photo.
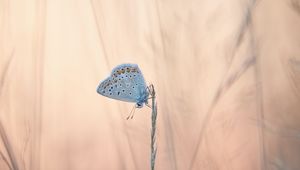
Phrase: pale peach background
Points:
(227, 76)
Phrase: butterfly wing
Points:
(125, 83)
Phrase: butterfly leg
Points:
(147, 102)
(148, 106)
(150, 89)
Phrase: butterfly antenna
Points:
(133, 108)
(133, 112)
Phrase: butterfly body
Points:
(125, 83)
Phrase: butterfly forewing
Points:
(125, 83)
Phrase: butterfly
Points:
(126, 83)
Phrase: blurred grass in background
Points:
(227, 75)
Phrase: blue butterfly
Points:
(125, 83)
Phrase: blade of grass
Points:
(8, 147)
(5, 160)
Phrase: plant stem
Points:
(153, 129)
